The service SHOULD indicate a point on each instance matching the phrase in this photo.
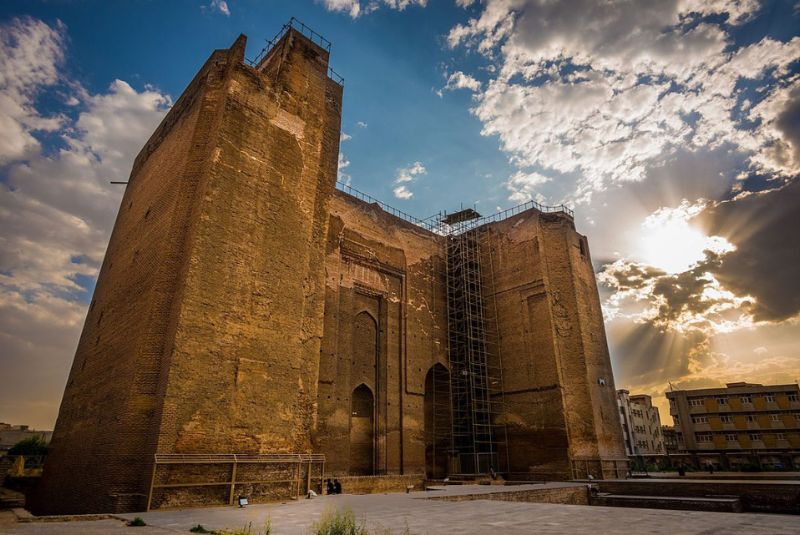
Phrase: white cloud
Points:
(343, 164)
(404, 176)
(344, 137)
(605, 103)
(402, 192)
(459, 80)
(57, 206)
(361, 124)
(218, 6)
(356, 8)
(30, 53)
(525, 186)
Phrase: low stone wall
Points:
(380, 484)
(562, 495)
(765, 496)
(717, 505)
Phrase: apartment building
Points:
(743, 423)
(641, 424)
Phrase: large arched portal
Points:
(362, 431)
(437, 421)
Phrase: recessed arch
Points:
(362, 431)
(364, 352)
(437, 421)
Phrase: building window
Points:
(700, 419)
(703, 437)
(792, 397)
(696, 402)
(755, 436)
(775, 417)
(676, 419)
(769, 398)
(722, 401)
(750, 418)
(726, 419)
(780, 436)
(746, 399)
(731, 437)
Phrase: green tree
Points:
(30, 446)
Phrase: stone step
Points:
(11, 503)
(684, 503)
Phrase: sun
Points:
(669, 242)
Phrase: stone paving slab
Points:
(398, 511)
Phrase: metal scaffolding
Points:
(479, 436)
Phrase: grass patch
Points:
(246, 530)
(339, 522)
(137, 522)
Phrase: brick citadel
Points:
(254, 328)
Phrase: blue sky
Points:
(671, 127)
(393, 63)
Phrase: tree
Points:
(30, 446)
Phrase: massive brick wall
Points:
(211, 288)
(558, 385)
(108, 412)
(385, 271)
(243, 370)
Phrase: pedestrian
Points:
(337, 487)
(329, 486)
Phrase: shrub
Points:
(339, 522)
(200, 529)
(137, 522)
(30, 446)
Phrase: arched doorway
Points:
(362, 431)
(437, 421)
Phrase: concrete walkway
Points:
(396, 512)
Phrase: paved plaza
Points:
(396, 512)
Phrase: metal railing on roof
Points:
(431, 226)
(313, 36)
(435, 223)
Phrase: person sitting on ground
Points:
(337, 487)
(329, 486)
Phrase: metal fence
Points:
(436, 224)
(312, 36)
(295, 472)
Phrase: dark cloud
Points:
(788, 123)
(766, 263)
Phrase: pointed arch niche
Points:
(362, 431)
(437, 421)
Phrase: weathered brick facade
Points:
(245, 305)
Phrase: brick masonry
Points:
(247, 306)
